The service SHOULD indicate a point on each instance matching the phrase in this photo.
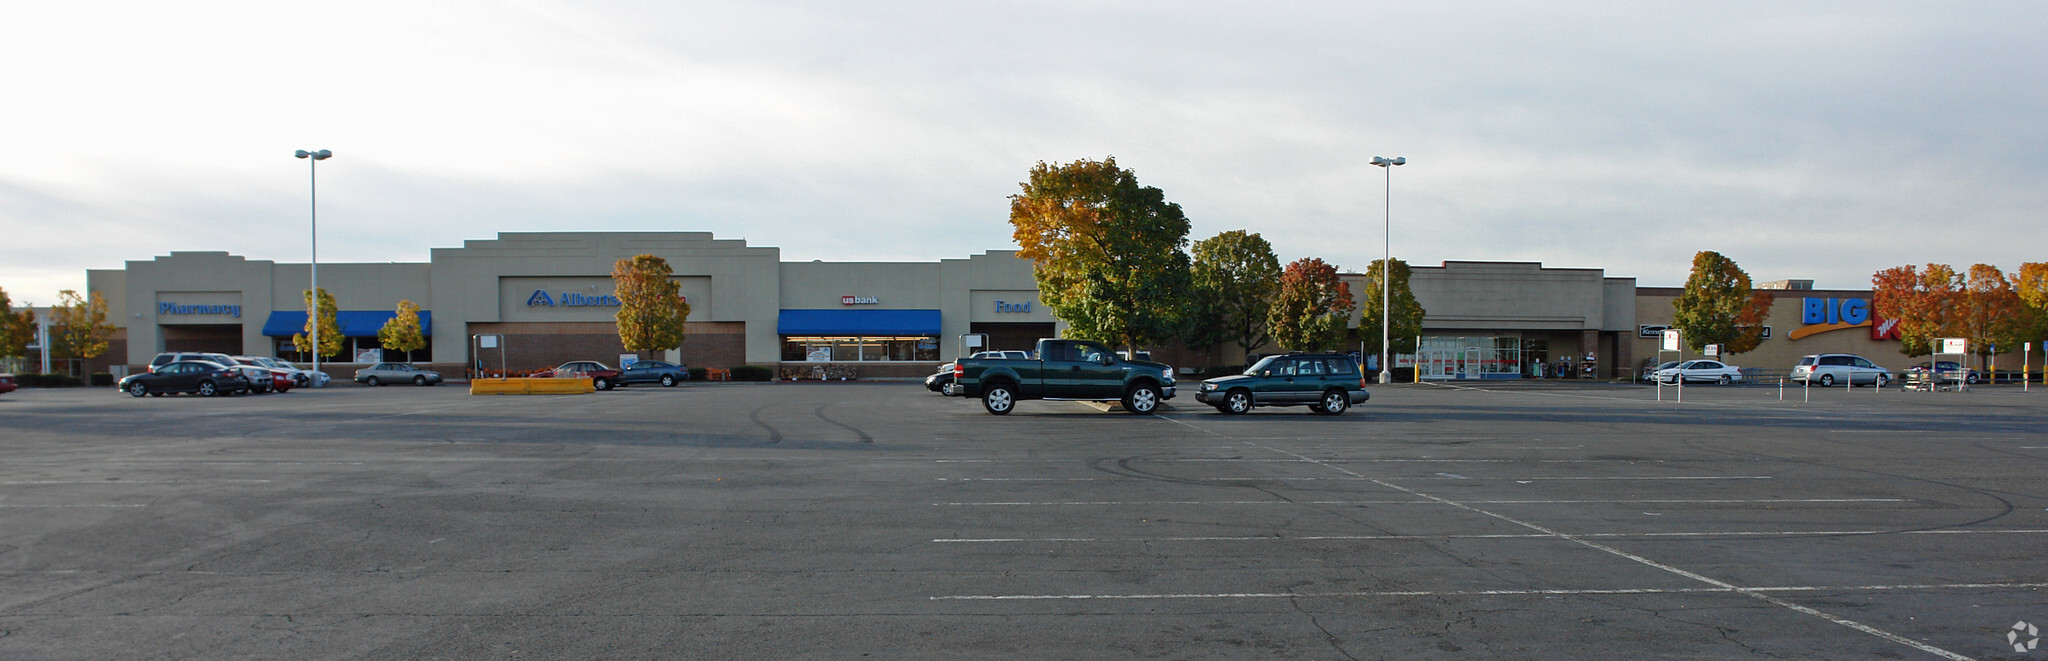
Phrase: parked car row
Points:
(1325, 383)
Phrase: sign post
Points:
(1952, 346)
(1671, 344)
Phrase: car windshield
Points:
(1261, 365)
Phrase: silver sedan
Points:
(383, 373)
(1700, 371)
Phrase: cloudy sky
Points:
(1803, 139)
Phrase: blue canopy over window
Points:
(354, 323)
(862, 323)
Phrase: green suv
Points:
(1326, 383)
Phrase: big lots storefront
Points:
(1803, 321)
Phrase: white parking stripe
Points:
(1582, 541)
(1361, 478)
(1411, 538)
(1650, 501)
(1493, 593)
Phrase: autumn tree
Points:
(1925, 303)
(1234, 277)
(1313, 307)
(1108, 254)
(78, 326)
(1719, 307)
(17, 329)
(2030, 283)
(651, 305)
(1405, 322)
(402, 332)
(324, 314)
(1993, 316)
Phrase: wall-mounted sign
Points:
(1955, 345)
(167, 307)
(570, 299)
(1003, 306)
(1650, 331)
(1822, 315)
(859, 300)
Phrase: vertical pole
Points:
(1387, 281)
(314, 310)
(43, 336)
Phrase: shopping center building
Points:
(548, 299)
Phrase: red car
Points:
(7, 383)
(601, 376)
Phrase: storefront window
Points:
(1471, 357)
(859, 349)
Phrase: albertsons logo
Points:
(540, 299)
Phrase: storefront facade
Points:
(549, 297)
(1801, 322)
(1509, 320)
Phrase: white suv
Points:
(1827, 369)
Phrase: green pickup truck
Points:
(1064, 369)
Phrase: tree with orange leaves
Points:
(1313, 307)
(1925, 303)
(1109, 255)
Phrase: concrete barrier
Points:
(530, 386)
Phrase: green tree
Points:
(78, 326)
(402, 332)
(1718, 306)
(330, 329)
(1109, 255)
(1406, 320)
(1313, 307)
(1234, 278)
(651, 304)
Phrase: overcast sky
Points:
(1803, 140)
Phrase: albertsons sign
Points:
(570, 299)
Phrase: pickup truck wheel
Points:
(999, 399)
(1237, 402)
(1334, 402)
(1142, 400)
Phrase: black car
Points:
(654, 371)
(1326, 383)
(198, 376)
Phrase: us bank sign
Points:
(570, 299)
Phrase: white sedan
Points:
(1700, 371)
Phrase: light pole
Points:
(1387, 269)
(313, 311)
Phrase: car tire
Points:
(1333, 403)
(1236, 402)
(601, 383)
(419, 380)
(1142, 399)
(1827, 380)
(372, 381)
(207, 389)
(1971, 379)
(999, 399)
(1725, 379)
(669, 381)
(1879, 381)
(138, 388)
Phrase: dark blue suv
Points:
(1326, 383)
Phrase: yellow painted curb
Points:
(530, 386)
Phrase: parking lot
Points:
(1520, 520)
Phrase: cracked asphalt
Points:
(1518, 520)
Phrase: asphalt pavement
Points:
(834, 520)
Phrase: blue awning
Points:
(858, 322)
(354, 323)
